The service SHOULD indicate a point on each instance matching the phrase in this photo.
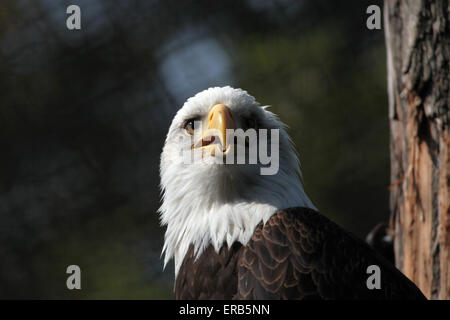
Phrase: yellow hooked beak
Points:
(215, 136)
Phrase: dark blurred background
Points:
(84, 114)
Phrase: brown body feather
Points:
(297, 254)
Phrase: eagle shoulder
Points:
(300, 254)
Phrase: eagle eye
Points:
(189, 126)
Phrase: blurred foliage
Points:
(83, 116)
(335, 108)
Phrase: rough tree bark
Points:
(418, 54)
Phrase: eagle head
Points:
(214, 191)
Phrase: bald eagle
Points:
(235, 233)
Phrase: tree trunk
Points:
(418, 54)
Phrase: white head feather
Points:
(211, 203)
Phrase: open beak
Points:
(214, 138)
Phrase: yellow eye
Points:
(189, 126)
